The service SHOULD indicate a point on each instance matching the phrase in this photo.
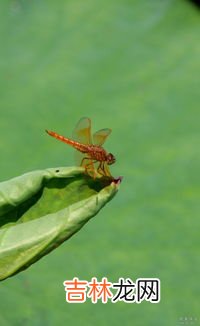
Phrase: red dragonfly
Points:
(92, 153)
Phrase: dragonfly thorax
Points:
(98, 153)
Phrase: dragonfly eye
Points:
(111, 159)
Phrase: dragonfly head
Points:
(110, 159)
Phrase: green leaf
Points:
(41, 209)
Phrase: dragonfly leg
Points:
(89, 167)
(100, 169)
(85, 158)
(103, 169)
(107, 171)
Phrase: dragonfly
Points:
(89, 151)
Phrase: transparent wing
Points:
(86, 163)
(82, 131)
(100, 136)
(78, 158)
(82, 134)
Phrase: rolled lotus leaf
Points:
(41, 209)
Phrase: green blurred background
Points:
(132, 66)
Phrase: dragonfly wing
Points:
(82, 160)
(78, 157)
(100, 136)
(82, 131)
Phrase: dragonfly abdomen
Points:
(81, 147)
